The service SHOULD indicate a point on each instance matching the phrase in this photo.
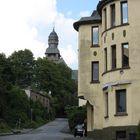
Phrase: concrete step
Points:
(78, 138)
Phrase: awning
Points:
(86, 96)
(116, 83)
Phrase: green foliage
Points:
(57, 79)
(20, 71)
(4, 127)
(22, 63)
(138, 132)
(17, 106)
(76, 115)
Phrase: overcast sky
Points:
(28, 23)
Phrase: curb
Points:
(78, 138)
(18, 132)
(6, 134)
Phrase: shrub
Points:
(76, 115)
(4, 127)
(138, 132)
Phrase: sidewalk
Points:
(78, 138)
(16, 131)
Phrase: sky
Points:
(26, 24)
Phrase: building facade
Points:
(42, 97)
(109, 69)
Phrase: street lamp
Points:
(50, 92)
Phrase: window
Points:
(121, 101)
(105, 19)
(104, 39)
(105, 58)
(124, 33)
(113, 48)
(112, 36)
(95, 36)
(113, 15)
(132, 135)
(106, 104)
(125, 55)
(120, 135)
(95, 71)
(124, 12)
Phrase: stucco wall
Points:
(130, 76)
(91, 91)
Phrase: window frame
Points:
(92, 72)
(123, 66)
(105, 58)
(117, 104)
(92, 36)
(106, 105)
(113, 57)
(122, 17)
(121, 134)
(105, 19)
(112, 15)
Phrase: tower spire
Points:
(53, 26)
(52, 52)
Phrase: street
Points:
(50, 131)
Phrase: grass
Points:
(4, 128)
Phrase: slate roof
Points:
(53, 36)
(94, 18)
(101, 4)
(52, 50)
(53, 42)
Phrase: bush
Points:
(138, 132)
(76, 115)
(4, 127)
(32, 124)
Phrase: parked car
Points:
(79, 130)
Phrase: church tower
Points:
(52, 52)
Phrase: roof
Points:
(41, 93)
(53, 42)
(53, 36)
(101, 4)
(52, 50)
(94, 18)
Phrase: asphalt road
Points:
(50, 131)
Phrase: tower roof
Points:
(53, 36)
(53, 43)
(52, 52)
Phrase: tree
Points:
(20, 71)
(57, 79)
(76, 115)
(6, 79)
(17, 106)
(22, 63)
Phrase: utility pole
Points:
(31, 114)
(19, 122)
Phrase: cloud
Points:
(27, 24)
(69, 54)
(17, 16)
(84, 13)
